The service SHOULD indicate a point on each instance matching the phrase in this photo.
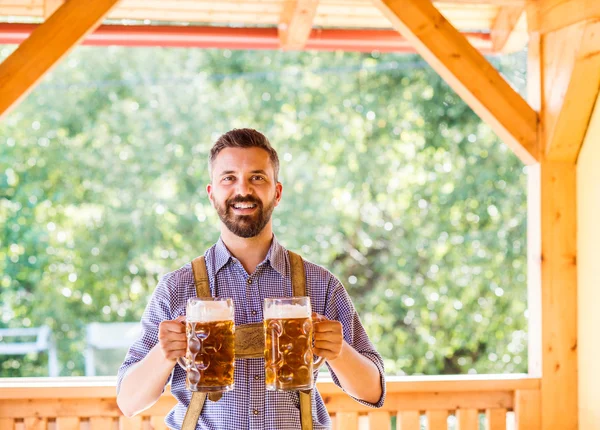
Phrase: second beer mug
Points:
(209, 360)
(288, 344)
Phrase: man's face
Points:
(243, 190)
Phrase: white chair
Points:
(43, 342)
(106, 336)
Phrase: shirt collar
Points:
(275, 256)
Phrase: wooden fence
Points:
(482, 402)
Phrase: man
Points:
(247, 264)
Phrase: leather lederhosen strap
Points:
(249, 341)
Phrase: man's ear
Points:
(278, 192)
(210, 196)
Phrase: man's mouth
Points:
(244, 208)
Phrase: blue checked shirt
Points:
(249, 405)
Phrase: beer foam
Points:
(208, 311)
(287, 311)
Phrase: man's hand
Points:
(172, 338)
(328, 337)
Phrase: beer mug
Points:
(209, 359)
(289, 357)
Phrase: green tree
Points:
(390, 181)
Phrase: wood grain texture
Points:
(467, 419)
(408, 420)
(296, 23)
(437, 420)
(495, 419)
(509, 30)
(576, 84)
(559, 296)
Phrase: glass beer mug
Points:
(209, 359)
(289, 358)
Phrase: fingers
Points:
(327, 326)
(327, 344)
(174, 326)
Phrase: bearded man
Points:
(247, 264)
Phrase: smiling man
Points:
(248, 265)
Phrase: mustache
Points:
(244, 199)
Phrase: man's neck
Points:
(249, 251)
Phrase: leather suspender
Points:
(249, 341)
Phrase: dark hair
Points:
(243, 138)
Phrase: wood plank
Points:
(50, 6)
(527, 410)
(63, 388)
(158, 423)
(437, 420)
(35, 423)
(296, 23)
(380, 420)
(579, 100)
(495, 419)
(101, 423)
(559, 296)
(47, 45)
(7, 423)
(408, 420)
(552, 15)
(509, 29)
(467, 419)
(425, 401)
(68, 423)
(347, 420)
(133, 423)
(467, 72)
(100, 407)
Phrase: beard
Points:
(245, 226)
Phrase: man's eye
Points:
(228, 178)
(258, 178)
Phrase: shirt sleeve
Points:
(340, 307)
(157, 310)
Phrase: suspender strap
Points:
(298, 290)
(249, 341)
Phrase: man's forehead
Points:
(231, 159)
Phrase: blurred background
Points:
(390, 181)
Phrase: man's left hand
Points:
(329, 338)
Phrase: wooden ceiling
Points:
(465, 15)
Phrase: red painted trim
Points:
(237, 38)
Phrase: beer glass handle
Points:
(182, 361)
(320, 360)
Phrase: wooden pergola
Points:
(547, 132)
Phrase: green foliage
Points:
(390, 181)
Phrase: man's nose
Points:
(243, 187)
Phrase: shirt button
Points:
(255, 411)
(256, 377)
(254, 313)
(249, 281)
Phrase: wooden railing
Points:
(412, 403)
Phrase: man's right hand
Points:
(172, 339)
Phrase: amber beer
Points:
(209, 360)
(288, 329)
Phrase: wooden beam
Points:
(552, 15)
(467, 72)
(50, 6)
(582, 84)
(296, 23)
(51, 41)
(559, 409)
(509, 29)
